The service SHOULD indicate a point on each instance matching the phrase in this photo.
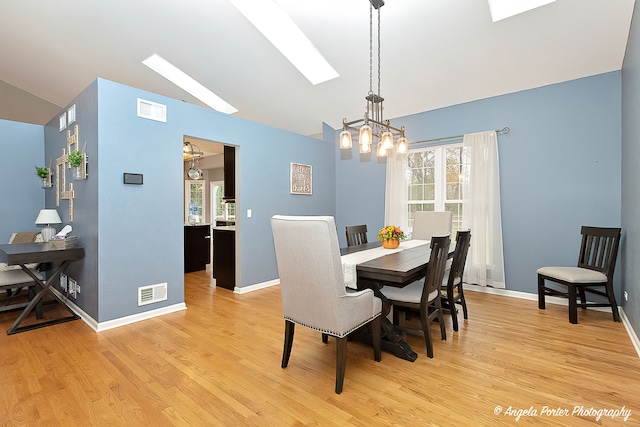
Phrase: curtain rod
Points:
(503, 130)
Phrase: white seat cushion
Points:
(410, 293)
(445, 280)
(573, 274)
(16, 277)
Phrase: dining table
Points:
(370, 266)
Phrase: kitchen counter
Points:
(224, 256)
(224, 227)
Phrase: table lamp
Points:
(48, 217)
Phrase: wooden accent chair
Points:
(452, 282)
(423, 293)
(312, 287)
(356, 235)
(596, 264)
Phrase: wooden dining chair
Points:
(423, 295)
(596, 264)
(356, 234)
(312, 287)
(452, 281)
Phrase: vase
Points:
(77, 173)
(390, 243)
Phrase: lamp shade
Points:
(48, 216)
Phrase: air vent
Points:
(152, 110)
(151, 294)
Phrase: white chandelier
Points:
(374, 126)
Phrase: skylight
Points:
(188, 84)
(502, 9)
(285, 35)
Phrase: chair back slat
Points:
(356, 235)
(463, 240)
(599, 249)
(436, 267)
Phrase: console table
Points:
(26, 253)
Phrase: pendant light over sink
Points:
(192, 152)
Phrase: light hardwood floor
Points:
(218, 364)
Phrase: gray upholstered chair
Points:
(13, 279)
(423, 295)
(594, 273)
(427, 224)
(312, 286)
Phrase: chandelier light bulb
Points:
(387, 140)
(345, 140)
(366, 135)
(403, 145)
(381, 151)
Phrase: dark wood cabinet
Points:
(224, 258)
(197, 247)
(229, 173)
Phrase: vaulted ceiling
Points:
(435, 53)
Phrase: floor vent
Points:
(151, 294)
(152, 110)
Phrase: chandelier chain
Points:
(370, 50)
(378, 52)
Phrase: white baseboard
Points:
(559, 301)
(110, 324)
(256, 287)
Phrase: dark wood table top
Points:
(395, 269)
(25, 253)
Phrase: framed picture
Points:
(71, 114)
(63, 121)
(301, 179)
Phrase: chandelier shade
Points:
(373, 128)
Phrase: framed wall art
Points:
(301, 179)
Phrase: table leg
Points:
(36, 300)
(392, 337)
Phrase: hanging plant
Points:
(42, 172)
(75, 158)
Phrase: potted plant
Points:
(391, 236)
(75, 159)
(44, 173)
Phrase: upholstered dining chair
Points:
(452, 282)
(313, 290)
(356, 234)
(596, 264)
(423, 293)
(427, 224)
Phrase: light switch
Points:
(248, 213)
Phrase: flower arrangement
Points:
(391, 232)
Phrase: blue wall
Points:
(85, 202)
(21, 192)
(559, 169)
(631, 173)
(140, 228)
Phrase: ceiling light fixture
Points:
(192, 152)
(286, 36)
(374, 125)
(187, 83)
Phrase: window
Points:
(435, 181)
(194, 202)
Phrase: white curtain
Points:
(396, 193)
(481, 210)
